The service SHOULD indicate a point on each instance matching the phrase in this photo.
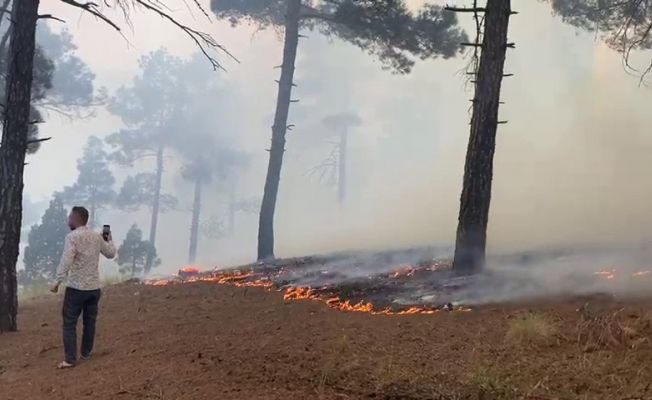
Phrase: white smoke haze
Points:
(571, 166)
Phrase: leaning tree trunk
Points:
(341, 179)
(268, 206)
(149, 261)
(19, 77)
(478, 170)
(194, 223)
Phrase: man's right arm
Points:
(108, 249)
(67, 259)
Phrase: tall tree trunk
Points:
(91, 216)
(133, 266)
(155, 209)
(4, 10)
(478, 170)
(92, 211)
(341, 179)
(268, 206)
(194, 223)
(24, 16)
(232, 212)
(4, 41)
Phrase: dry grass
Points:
(599, 331)
(532, 329)
(33, 291)
(385, 375)
(487, 383)
(307, 351)
(41, 289)
(111, 280)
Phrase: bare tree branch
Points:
(203, 40)
(50, 16)
(38, 140)
(202, 9)
(308, 12)
(93, 9)
(69, 112)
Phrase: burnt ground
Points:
(208, 341)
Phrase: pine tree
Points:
(17, 119)
(624, 25)
(139, 191)
(148, 108)
(488, 71)
(341, 125)
(386, 29)
(133, 253)
(16, 112)
(45, 244)
(62, 82)
(94, 186)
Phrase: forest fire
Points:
(607, 274)
(612, 274)
(363, 295)
(409, 271)
(188, 272)
(405, 282)
(302, 293)
(393, 283)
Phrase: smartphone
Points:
(106, 231)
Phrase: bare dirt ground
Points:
(207, 341)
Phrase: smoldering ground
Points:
(421, 278)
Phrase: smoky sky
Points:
(570, 166)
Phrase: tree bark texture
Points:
(155, 209)
(91, 213)
(232, 210)
(341, 179)
(279, 129)
(194, 223)
(478, 171)
(12, 152)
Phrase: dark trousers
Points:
(75, 303)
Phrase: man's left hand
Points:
(55, 288)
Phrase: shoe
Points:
(65, 365)
(85, 358)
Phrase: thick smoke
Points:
(571, 164)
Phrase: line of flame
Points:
(304, 293)
(611, 274)
(243, 279)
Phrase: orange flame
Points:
(606, 274)
(611, 274)
(409, 271)
(190, 270)
(300, 293)
(243, 279)
(306, 293)
(235, 278)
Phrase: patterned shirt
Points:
(81, 258)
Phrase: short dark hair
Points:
(82, 212)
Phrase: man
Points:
(79, 267)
